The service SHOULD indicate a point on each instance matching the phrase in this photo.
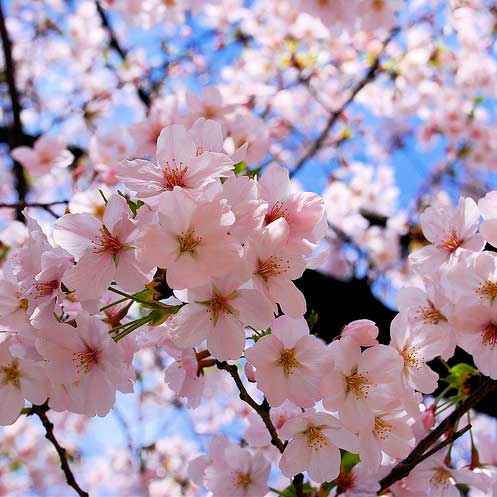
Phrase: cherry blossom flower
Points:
(313, 447)
(288, 363)
(19, 379)
(274, 266)
(178, 164)
(241, 474)
(351, 380)
(417, 346)
(448, 229)
(303, 211)
(218, 312)
(190, 236)
(47, 153)
(105, 249)
(84, 365)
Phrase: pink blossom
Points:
(363, 331)
(448, 229)
(19, 379)
(351, 380)
(190, 236)
(179, 163)
(274, 266)
(313, 447)
(240, 474)
(476, 333)
(47, 153)
(288, 363)
(303, 211)
(488, 209)
(388, 431)
(417, 346)
(218, 312)
(105, 249)
(84, 365)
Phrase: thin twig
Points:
(419, 453)
(15, 133)
(114, 43)
(261, 409)
(40, 411)
(333, 117)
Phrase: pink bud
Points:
(363, 331)
(250, 372)
(429, 418)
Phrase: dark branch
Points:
(114, 43)
(15, 135)
(40, 411)
(261, 409)
(334, 116)
(419, 453)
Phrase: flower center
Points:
(271, 267)
(278, 210)
(487, 290)
(175, 175)
(451, 242)
(378, 5)
(288, 361)
(429, 314)
(86, 360)
(410, 356)
(344, 481)
(381, 429)
(188, 241)
(242, 479)
(357, 384)
(10, 374)
(217, 305)
(489, 335)
(106, 243)
(315, 438)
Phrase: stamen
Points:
(381, 429)
(489, 335)
(174, 175)
(277, 211)
(242, 479)
(358, 384)
(10, 374)
(288, 362)
(487, 290)
(271, 267)
(315, 438)
(106, 243)
(188, 241)
(86, 359)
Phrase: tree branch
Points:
(40, 411)
(114, 43)
(419, 453)
(261, 409)
(15, 135)
(333, 117)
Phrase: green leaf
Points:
(312, 319)
(133, 206)
(460, 374)
(240, 168)
(253, 172)
(349, 460)
(291, 491)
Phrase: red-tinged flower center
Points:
(9, 375)
(357, 384)
(106, 243)
(487, 290)
(218, 304)
(174, 175)
(315, 438)
(378, 5)
(441, 477)
(44, 288)
(381, 429)
(188, 241)
(489, 335)
(277, 211)
(242, 480)
(344, 481)
(451, 243)
(86, 359)
(271, 267)
(288, 361)
(429, 314)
